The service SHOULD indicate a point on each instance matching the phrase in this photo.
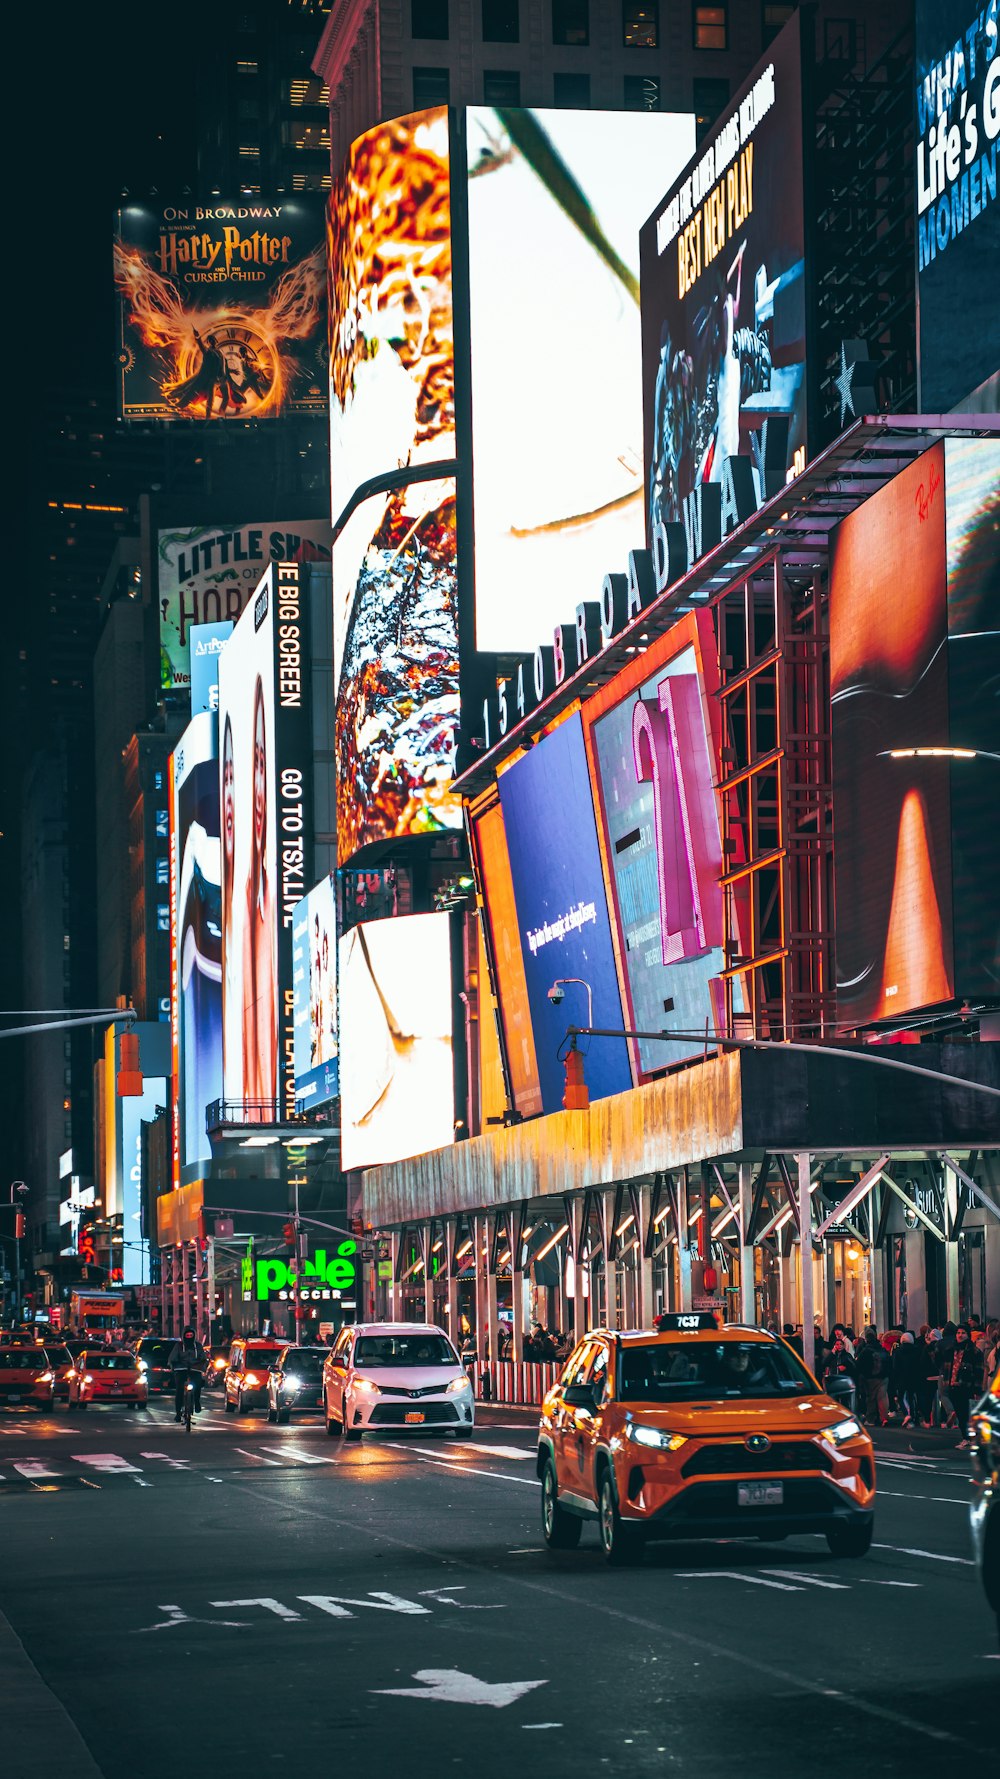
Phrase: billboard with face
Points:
(397, 1066)
(221, 309)
(314, 978)
(652, 746)
(395, 591)
(392, 362)
(265, 747)
(556, 351)
(197, 976)
(915, 678)
(722, 262)
(958, 211)
(206, 574)
(562, 911)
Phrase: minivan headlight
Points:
(459, 1386)
(657, 1437)
(842, 1431)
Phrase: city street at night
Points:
(270, 1598)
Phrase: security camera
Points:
(557, 994)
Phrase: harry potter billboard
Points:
(222, 310)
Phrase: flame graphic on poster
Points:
(227, 360)
(914, 972)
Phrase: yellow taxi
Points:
(103, 1375)
(697, 1432)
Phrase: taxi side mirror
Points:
(579, 1396)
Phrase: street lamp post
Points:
(19, 1187)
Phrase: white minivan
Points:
(404, 1377)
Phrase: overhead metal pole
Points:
(806, 1259)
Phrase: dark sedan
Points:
(985, 1510)
(152, 1352)
(295, 1380)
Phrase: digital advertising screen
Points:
(652, 748)
(512, 988)
(722, 262)
(915, 681)
(205, 646)
(197, 861)
(957, 99)
(563, 929)
(397, 1066)
(314, 981)
(135, 1233)
(392, 361)
(396, 667)
(265, 749)
(556, 351)
(206, 574)
(221, 309)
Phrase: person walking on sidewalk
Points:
(873, 1371)
(965, 1378)
(908, 1368)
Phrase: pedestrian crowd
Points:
(929, 1378)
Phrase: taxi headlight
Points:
(365, 1385)
(45, 1377)
(219, 1364)
(458, 1387)
(658, 1437)
(842, 1431)
(290, 1384)
(141, 1363)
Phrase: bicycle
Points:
(189, 1401)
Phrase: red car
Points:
(25, 1376)
(103, 1375)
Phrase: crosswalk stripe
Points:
(32, 1467)
(736, 1575)
(256, 1457)
(110, 1462)
(300, 1457)
(814, 1580)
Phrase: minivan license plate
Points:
(414, 1416)
(760, 1494)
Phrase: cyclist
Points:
(187, 1355)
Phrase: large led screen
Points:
(206, 574)
(653, 751)
(198, 937)
(395, 591)
(265, 747)
(562, 910)
(392, 370)
(722, 261)
(397, 1065)
(958, 211)
(915, 679)
(221, 309)
(314, 985)
(505, 942)
(555, 203)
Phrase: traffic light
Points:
(289, 1234)
(130, 1073)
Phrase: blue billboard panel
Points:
(562, 910)
(206, 646)
(314, 984)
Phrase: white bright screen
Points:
(554, 219)
(396, 1066)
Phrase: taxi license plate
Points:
(760, 1494)
(414, 1415)
(17, 1398)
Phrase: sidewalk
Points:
(924, 1442)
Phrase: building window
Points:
(246, 67)
(842, 41)
(430, 87)
(571, 92)
(642, 92)
(711, 27)
(429, 18)
(501, 21)
(571, 22)
(710, 97)
(501, 87)
(640, 25)
(773, 18)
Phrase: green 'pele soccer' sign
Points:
(322, 1277)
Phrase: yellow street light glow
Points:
(464, 1249)
(933, 753)
(623, 1226)
(553, 1239)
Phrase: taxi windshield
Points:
(696, 1371)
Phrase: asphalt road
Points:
(259, 1598)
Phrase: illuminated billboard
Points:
(314, 982)
(397, 1065)
(957, 94)
(221, 309)
(206, 574)
(512, 988)
(652, 747)
(265, 747)
(196, 1008)
(562, 911)
(915, 681)
(206, 642)
(722, 262)
(392, 369)
(396, 648)
(556, 351)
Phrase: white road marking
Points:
(948, 1500)
(495, 1451)
(285, 1613)
(257, 1457)
(935, 1556)
(463, 1469)
(179, 1617)
(442, 1596)
(301, 1457)
(141, 1480)
(174, 1463)
(110, 1462)
(736, 1575)
(541, 1726)
(337, 1605)
(452, 1687)
(871, 1581)
(814, 1580)
(32, 1467)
